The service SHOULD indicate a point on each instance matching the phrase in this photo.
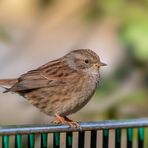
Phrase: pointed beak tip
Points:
(100, 64)
(103, 64)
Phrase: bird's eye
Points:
(86, 61)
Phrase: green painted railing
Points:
(14, 136)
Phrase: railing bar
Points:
(140, 137)
(129, 137)
(81, 137)
(31, 140)
(18, 141)
(105, 138)
(5, 141)
(56, 140)
(44, 141)
(93, 141)
(118, 138)
(12, 130)
(69, 139)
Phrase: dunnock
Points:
(60, 87)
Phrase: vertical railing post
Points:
(129, 138)
(68, 139)
(140, 137)
(93, 141)
(56, 140)
(105, 138)
(18, 141)
(81, 137)
(5, 141)
(31, 140)
(117, 138)
(44, 140)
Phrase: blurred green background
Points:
(32, 32)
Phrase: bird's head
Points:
(84, 60)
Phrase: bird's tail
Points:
(7, 83)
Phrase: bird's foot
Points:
(65, 120)
(71, 123)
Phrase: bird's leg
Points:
(71, 123)
(64, 120)
(59, 119)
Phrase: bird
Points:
(60, 87)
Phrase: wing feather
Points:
(39, 78)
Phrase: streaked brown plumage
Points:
(60, 87)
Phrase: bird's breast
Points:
(82, 93)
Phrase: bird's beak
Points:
(100, 64)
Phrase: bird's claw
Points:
(74, 124)
(65, 120)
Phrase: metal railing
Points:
(100, 134)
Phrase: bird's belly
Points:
(74, 106)
(51, 102)
(78, 101)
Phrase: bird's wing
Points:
(35, 79)
(42, 77)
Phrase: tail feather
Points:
(7, 82)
